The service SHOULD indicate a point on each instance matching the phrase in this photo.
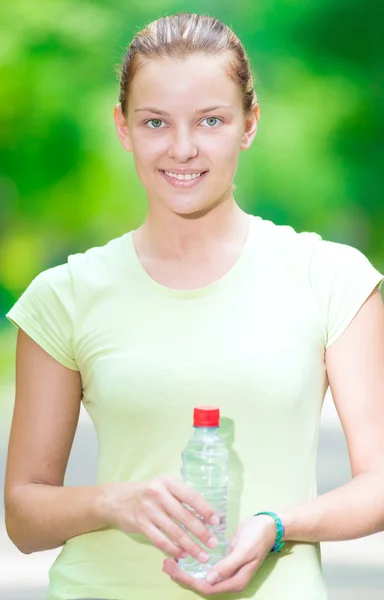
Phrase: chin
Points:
(192, 211)
(191, 208)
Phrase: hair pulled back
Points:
(180, 35)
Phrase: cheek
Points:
(224, 147)
(227, 155)
(147, 152)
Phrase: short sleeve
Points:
(45, 311)
(342, 279)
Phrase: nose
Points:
(182, 147)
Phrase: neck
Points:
(191, 238)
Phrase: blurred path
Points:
(354, 570)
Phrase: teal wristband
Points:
(278, 545)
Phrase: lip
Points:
(184, 171)
(186, 183)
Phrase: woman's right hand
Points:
(152, 507)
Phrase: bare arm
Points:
(42, 514)
(355, 365)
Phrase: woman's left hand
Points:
(247, 550)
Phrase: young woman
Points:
(203, 304)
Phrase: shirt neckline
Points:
(194, 292)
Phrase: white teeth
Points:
(183, 177)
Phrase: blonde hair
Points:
(180, 35)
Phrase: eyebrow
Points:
(163, 112)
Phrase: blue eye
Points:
(156, 123)
(214, 119)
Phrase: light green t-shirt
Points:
(252, 343)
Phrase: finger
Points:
(229, 566)
(194, 499)
(234, 584)
(239, 581)
(232, 544)
(159, 540)
(170, 568)
(199, 585)
(178, 535)
(191, 521)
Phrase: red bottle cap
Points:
(206, 416)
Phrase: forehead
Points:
(182, 83)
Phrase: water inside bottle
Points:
(195, 568)
(205, 468)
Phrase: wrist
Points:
(270, 528)
(113, 504)
(278, 529)
(291, 530)
(103, 504)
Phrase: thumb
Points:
(226, 568)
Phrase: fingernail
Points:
(213, 578)
(212, 542)
(184, 555)
(214, 520)
(203, 557)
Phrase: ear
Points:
(250, 127)
(122, 128)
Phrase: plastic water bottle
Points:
(205, 467)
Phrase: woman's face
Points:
(185, 126)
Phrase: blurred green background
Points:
(66, 184)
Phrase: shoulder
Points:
(284, 236)
(99, 263)
(309, 247)
(324, 263)
(284, 246)
(329, 257)
(81, 280)
(96, 267)
(339, 276)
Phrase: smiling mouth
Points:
(184, 176)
